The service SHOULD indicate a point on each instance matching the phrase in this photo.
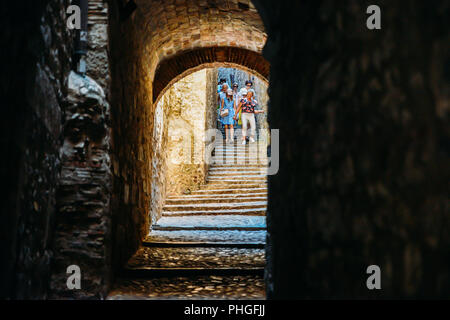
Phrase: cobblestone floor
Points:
(201, 287)
(197, 258)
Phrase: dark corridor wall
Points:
(36, 58)
(363, 118)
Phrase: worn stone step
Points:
(224, 191)
(236, 178)
(200, 228)
(231, 184)
(236, 182)
(233, 171)
(241, 148)
(239, 154)
(240, 166)
(191, 244)
(217, 196)
(223, 173)
(229, 236)
(242, 155)
(245, 212)
(230, 161)
(228, 186)
(252, 152)
(212, 221)
(243, 174)
(243, 170)
(238, 161)
(248, 146)
(230, 156)
(197, 258)
(239, 144)
(215, 206)
(218, 187)
(246, 152)
(148, 273)
(192, 200)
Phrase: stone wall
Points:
(187, 120)
(364, 167)
(183, 111)
(159, 159)
(37, 59)
(211, 99)
(187, 103)
(97, 60)
(83, 223)
(132, 115)
(84, 193)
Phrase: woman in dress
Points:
(247, 105)
(227, 103)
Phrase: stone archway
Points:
(171, 70)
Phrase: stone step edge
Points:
(225, 191)
(199, 197)
(231, 183)
(216, 205)
(194, 228)
(144, 273)
(185, 208)
(236, 177)
(236, 212)
(256, 213)
(201, 191)
(230, 207)
(215, 200)
(206, 244)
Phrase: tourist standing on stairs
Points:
(249, 86)
(227, 114)
(248, 105)
(241, 95)
(219, 91)
(219, 85)
(222, 95)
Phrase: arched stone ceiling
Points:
(175, 29)
(171, 70)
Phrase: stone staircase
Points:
(208, 244)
